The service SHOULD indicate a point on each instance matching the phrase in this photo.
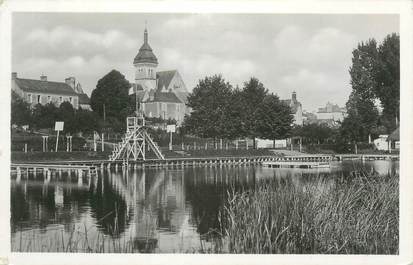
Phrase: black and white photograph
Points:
(181, 132)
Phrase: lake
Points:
(151, 210)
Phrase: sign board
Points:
(170, 128)
(58, 126)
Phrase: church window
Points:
(70, 99)
(38, 98)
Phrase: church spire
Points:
(145, 34)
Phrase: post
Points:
(25, 147)
(170, 141)
(220, 143)
(57, 140)
(206, 146)
(236, 144)
(194, 145)
(94, 142)
(67, 143)
(300, 144)
(183, 147)
(103, 142)
(355, 148)
(389, 143)
(246, 143)
(291, 144)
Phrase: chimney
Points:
(43, 78)
(13, 75)
(294, 97)
(70, 81)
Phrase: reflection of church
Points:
(163, 94)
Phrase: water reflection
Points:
(160, 210)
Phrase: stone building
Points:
(43, 91)
(162, 94)
(296, 108)
(331, 112)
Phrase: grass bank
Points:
(357, 215)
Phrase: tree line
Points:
(218, 110)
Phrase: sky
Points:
(307, 53)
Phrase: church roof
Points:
(145, 54)
(84, 98)
(47, 87)
(164, 78)
(168, 97)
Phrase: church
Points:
(163, 94)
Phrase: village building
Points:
(331, 112)
(296, 108)
(43, 91)
(163, 94)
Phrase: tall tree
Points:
(362, 112)
(387, 77)
(209, 102)
(273, 119)
(110, 97)
(252, 95)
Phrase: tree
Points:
(314, 133)
(273, 119)
(361, 109)
(20, 110)
(44, 117)
(86, 121)
(66, 113)
(110, 97)
(252, 95)
(387, 77)
(209, 101)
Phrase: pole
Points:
(170, 140)
(104, 113)
(103, 142)
(94, 142)
(57, 140)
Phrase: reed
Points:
(358, 214)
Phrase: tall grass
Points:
(354, 215)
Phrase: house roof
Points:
(395, 135)
(168, 97)
(164, 78)
(48, 87)
(84, 99)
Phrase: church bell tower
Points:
(145, 63)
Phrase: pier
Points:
(296, 164)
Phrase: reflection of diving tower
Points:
(136, 138)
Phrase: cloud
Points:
(65, 40)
